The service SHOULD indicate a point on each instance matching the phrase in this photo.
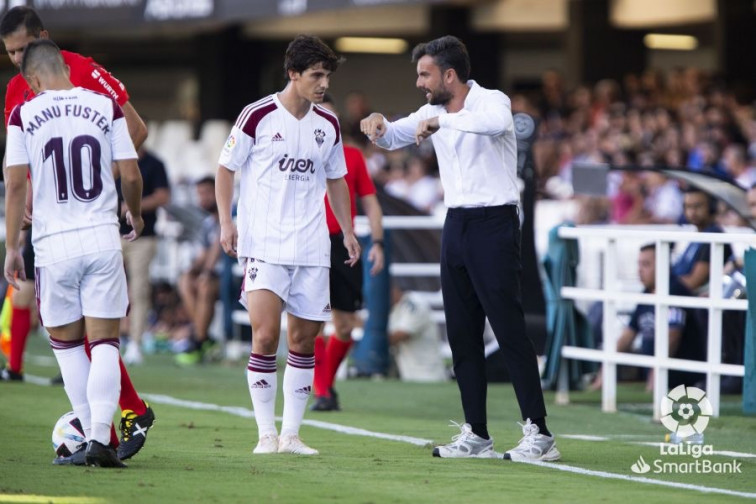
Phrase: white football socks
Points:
(103, 387)
(74, 368)
(297, 386)
(263, 384)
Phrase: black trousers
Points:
(480, 277)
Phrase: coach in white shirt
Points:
(289, 152)
(472, 132)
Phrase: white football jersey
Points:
(69, 139)
(284, 164)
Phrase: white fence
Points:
(611, 295)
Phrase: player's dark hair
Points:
(648, 246)
(205, 180)
(306, 51)
(42, 55)
(20, 16)
(447, 52)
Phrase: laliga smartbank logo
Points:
(685, 412)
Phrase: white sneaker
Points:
(133, 355)
(267, 444)
(290, 443)
(533, 446)
(466, 444)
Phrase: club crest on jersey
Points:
(319, 136)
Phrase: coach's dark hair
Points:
(20, 16)
(447, 52)
(306, 51)
(42, 54)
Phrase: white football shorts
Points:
(93, 285)
(305, 290)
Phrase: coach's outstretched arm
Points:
(392, 135)
(224, 193)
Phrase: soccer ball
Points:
(67, 436)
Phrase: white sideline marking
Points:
(584, 437)
(247, 413)
(36, 380)
(42, 360)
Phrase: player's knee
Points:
(265, 341)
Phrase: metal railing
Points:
(660, 362)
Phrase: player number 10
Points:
(54, 148)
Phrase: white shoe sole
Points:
(484, 455)
(550, 456)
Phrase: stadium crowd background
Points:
(602, 93)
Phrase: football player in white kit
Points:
(289, 152)
(68, 137)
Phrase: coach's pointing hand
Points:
(425, 129)
(374, 126)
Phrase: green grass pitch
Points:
(205, 455)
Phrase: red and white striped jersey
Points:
(284, 163)
(69, 139)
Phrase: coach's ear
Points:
(44, 34)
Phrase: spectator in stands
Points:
(138, 255)
(198, 286)
(414, 338)
(751, 196)
(686, 339)
(692, 267)
(663, 202)
(736, 164)
(424, 190)
(357, 106)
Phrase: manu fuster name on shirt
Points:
(68, 110)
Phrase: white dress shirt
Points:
(475, 147)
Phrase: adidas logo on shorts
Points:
(327, 308)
